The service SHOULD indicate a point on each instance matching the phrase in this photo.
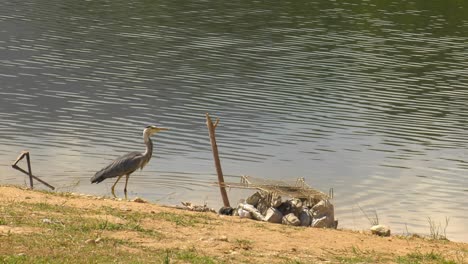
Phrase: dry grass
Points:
(65, 234)
(44, 227)
(436, 230)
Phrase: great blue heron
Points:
(128, 163)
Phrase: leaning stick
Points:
(34, 177)
(214, 148)
(29, 172)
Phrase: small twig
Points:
(434, 231)
(447, 220)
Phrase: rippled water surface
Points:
(370, 99)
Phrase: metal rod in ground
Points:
(29, 170)
(214, 148)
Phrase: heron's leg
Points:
(113, 186)
(126, 182)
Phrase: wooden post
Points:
(214, 148)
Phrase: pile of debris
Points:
(197, 208)
(265, 206)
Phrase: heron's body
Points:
(128, 163)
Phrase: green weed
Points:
(418, 257)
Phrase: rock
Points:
(226, 210)
(197, 208)
(97, 240)
(222, 238)
(273, 215)
(322, 208)
(380, 230)
(305, 217)
(263, 207)
(139, 200)
(286, 208)
(291, 206)
(322, 222)
(323, 215)
(276, 201)
(291, 219)
(296, 203)
(297, 206)
(254, 199)
(90, 241)
(47, 221)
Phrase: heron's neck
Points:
(149, 147)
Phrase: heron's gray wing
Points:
(121, 166)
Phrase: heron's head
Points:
(150, 130)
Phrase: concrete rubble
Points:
(296, 212)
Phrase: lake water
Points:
(369, 99)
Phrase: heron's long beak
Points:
(162, 129)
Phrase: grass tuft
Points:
(373, 220)
(187, 256)
(436, 230)
(181, 220)
(357, 255)
(244, 244)
(418, 257)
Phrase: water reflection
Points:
(369, 99)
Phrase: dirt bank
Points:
(38, 226)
